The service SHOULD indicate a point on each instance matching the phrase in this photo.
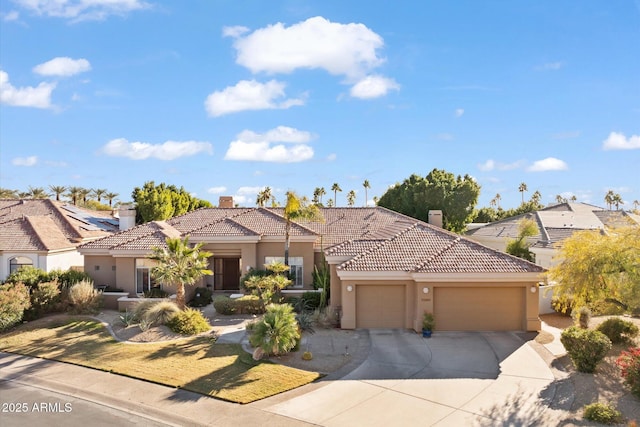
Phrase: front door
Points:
(230, 274)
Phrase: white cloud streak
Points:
(169, 150)
(29, 96)
(618, 141)
(548, 164)
(217, 190)
(82, 10)
(25, 161)
(491, 164)
(62, 66)
(373, 87)
(252, 146)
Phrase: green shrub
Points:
(141, 308)
(305, 322)
(562, 305)
(84, 298)
(629, 364)
(311, 300)
(156, 293)
(189, 322)
(582, 317)
(224, 305)
(602, 413)
(249, 304)
(45, 298)
(14, 300)
(68, 278)
(201, 297)
(276, 333)
(30, 276)
(160, 313)
(586, 347)
(618, 330)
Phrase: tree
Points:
(263, 196)
(636, 203)
(99, 193)
(83, 193)
(316, 196)
(609, 198)
(37, 193)
(180, 264)
(160, 202)
(297, 209)
(110, 197)
(594, 266)
(560, 199)
(57, 190)
(617, 200)
(366, 186)
(5, 193)
(519, 246)
(522, 188)
(330, 203)
(497, 198)
(455, 196)
(536, 197)
(335, 188)
(351, 198)
(74, 193)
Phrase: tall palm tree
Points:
(74, 193)
(609, 198)
(297, 209)
(497, 199)
(37, 193)
(617, 200)
(180, 264)
(321, 192)
(366, 186)
(335, 188)
(99, 193)
(522, 188)
(316, 196)
(351, 198)
(263, 197)
(110, 197)
(57, 190)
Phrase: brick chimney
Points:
(127, 216)
(225, 202)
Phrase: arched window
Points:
(17, 262)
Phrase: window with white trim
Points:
(16, 263)
(296, 269)
(144, 281)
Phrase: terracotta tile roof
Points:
(44, 224)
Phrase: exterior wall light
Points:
(349, 288)
(425, 290)
(533, 289)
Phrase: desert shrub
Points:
(311, 300)
(84, 298)
(322, 280)
(327, 317)
(189, 322)
(249, 304)
(602, 413)
(141, 308)
(606, 308)
(629, 364)
(127, 318)
(14, 300)
(160, 313)
(562, 305)
(45, 298)
(276, 333)
(582, 316)
(586, 347)
(30, 276)
(156, 293)
(224, 305)
(618, 330)
(201, 297)
(305, 322)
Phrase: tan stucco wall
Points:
(335, 287)
(296, 249)
(105, 274)
(126, 274)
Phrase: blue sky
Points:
(226, 97)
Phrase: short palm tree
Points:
(99, 193)
(180, 264)
(110, 197)
(351, 198)
(5, 193)
(37, 193)
(263, 197)
(366, 186)
(297, 209)
(57, 190)
(497, 199)
(609, 198)
(335, 188)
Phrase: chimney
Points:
(225, 202)
(127, 216)
(435, 218)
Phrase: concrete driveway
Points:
(491, 378)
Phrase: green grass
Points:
(223, 371)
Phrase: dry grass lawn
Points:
(223, 371)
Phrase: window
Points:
(20, 261)
(296, 270)
(144, 281)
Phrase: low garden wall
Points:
(110, 299)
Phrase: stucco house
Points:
(386, 269)
(44, 233)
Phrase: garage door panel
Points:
(479, 309)
(380, 306)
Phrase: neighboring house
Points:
(555, 223)
(45, 234)
(387, 269)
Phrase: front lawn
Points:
(223, 371)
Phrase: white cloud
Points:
(25, 161)
(548, 164)
(168, 150)
(37, 97)
(62, 66)
(491, 164)
(373, 87)
(249, 95)
(82, 10)
(617, 141)
(340, 49)
(11, 16)
(235, 31)
(217, 190)
(253, 146)
(459, 112)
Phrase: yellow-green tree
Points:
(519, 246)
(594, 266)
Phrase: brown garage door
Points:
(380, 306)
(479, 309)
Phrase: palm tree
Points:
(366, 186)
(297, 209)
(83, 194)
(560, 199)
(609, 198)
(573, 198)
(493, 202)
(335, 188)
(375, 200)
(99, 193)
(322, 192)
(351, 198)
(536, 197)
(330, 203)
(73, 193)
(57, 190)
(497, 199)
(5, 193)
(263, 197)
(37, 193)
(617, 200)
(110, 197)
(180, 264)
(522, 188)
